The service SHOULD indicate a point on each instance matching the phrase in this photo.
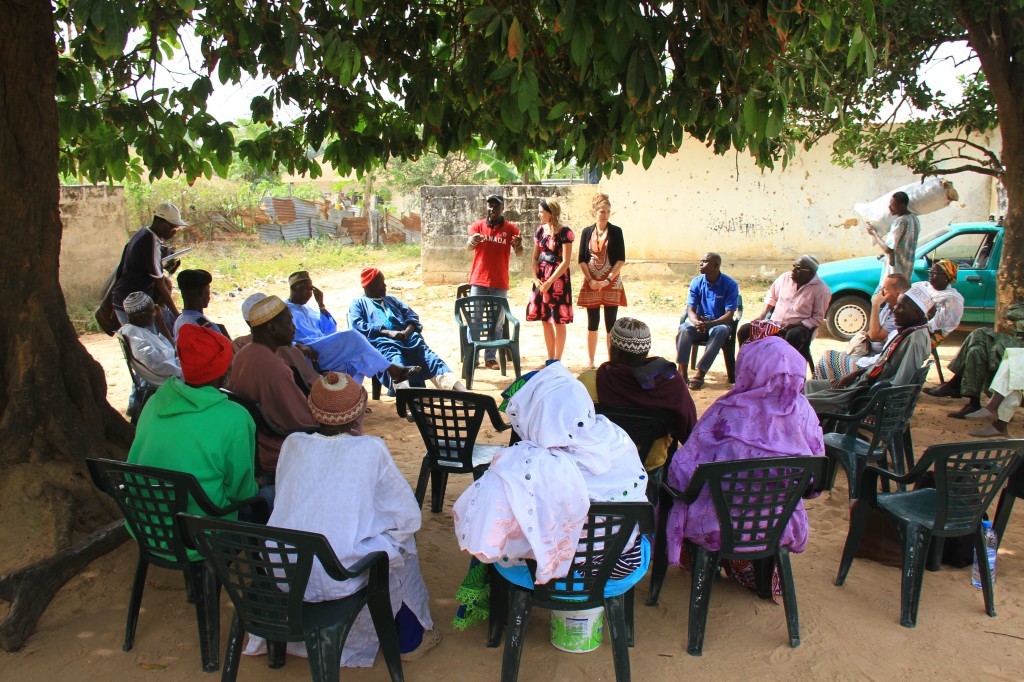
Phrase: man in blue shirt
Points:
(345, 351)
(710, 306)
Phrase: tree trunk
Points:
(991, 32)
(53, 408)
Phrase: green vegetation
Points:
(252, 263)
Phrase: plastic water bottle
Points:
(990, 550)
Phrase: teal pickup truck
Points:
(975, 247)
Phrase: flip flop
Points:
(696, 384)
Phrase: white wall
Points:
(694, 201)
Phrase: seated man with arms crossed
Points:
(337, 351)
(393, 328)
(902, 356)
(710, 306)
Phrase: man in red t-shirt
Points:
(491, 240)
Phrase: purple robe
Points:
(764, 415)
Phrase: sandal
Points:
(492, 364)
(431, 638)
(696, 384)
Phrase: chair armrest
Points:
(496, 419)
(687, 496)
(333, 568)
(210, 509)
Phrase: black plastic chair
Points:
(483, 323)
(728, 349)
(967, 478)
(449, 422)
(608, 528)
(904, 448)
(142, 389)
(263, 424)
(1014, 489)
(757, 497)
(645, 427)
(867, 435)
(149, 498)
(265, 571)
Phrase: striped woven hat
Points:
(337, 399)
(631, 336)
(265, 310)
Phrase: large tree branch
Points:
(993, 159)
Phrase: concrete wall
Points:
(694, 201)
(95, 231)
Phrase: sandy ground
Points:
(850, 632)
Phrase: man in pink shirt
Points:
(797, 302)
(491, 240)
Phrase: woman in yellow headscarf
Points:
(949, 303)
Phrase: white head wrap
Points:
(248, 303)
(136, 302)
(920, 297)
(534, 498)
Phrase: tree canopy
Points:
(600, 82)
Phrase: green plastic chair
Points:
(449, 423)
(645, 426)
(757, 497)
(483, 323)
(149, 498)
(1014, 489)
(256, 562)
(868, 434)
(608, 528)
(967, 478)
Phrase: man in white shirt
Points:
(153, 355)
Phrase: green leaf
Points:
(558, 111)
(479, 15)
(187, 5)
(512, 116)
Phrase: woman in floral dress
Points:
(551, 297)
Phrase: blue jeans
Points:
(475, 290)
(714, 340)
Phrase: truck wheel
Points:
(846, 316)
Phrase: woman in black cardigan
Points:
(602, 255)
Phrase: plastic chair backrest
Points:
(149, 498)
(608, 528)
(754, 499)
(643, 426)
(255, 410)
(479, 316)
(130, 360)
(917, 381)
(887, 416)
(967, 478)
(448, 422)
(264, 570)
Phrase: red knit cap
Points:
(368, 275)
(337, 399)
(205, 355)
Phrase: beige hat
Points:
(265, 310)
(169, 212)
(300, 276)
(631, 336)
